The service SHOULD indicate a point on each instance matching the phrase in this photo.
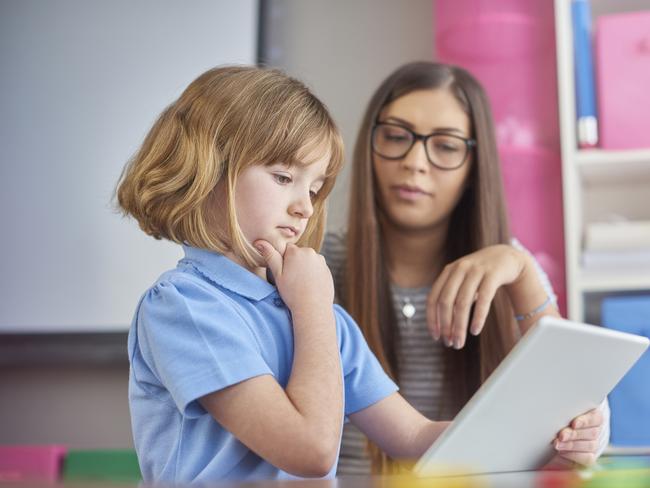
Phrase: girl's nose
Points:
(302, 207)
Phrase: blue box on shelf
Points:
(630, 400)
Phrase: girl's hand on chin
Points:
(472, 280)
(303, 279)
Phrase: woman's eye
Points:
(313, 194)
(447, 147)
(282, 179)
(396, 137)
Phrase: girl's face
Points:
(415, 194)
(274, 203)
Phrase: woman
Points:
(428, 267)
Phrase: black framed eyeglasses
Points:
(444, 150)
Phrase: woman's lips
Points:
(410, 193)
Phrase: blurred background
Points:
(83, 81)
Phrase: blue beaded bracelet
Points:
(532, 313)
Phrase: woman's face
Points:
(415, 194)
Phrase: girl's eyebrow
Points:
(280, 165)
(411, 126)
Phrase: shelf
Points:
(615, 280)
(603, 166)
(588, 157)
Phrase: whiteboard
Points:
(82, 82)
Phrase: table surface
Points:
(611, 471)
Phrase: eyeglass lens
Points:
(394, 142)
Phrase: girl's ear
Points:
(216, 210)
(218, 196)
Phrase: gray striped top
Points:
(419, 357)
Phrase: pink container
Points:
(534, 197)
(31, 463)
(622, 52)
(509, 46)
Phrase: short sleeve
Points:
(365, 380)
(195, 344)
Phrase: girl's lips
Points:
(288, 231)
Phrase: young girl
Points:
(427, 267)
(233, 376)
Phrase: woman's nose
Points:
(416, 159)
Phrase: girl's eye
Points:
(313, 194)
(282, 179)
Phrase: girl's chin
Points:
(279, 245)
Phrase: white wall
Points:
(342, 49)
(81, 84)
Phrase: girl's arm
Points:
(405, 434)
(397, 428)
(296, 429)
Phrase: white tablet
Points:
(558, 370)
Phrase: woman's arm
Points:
(472, 281)
(297, 429)
(530, 301)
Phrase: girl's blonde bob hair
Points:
(180, 184)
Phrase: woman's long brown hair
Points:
(479, 220)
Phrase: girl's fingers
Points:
(462, 307)
(559, 462)
(579, 442)
(582, 458)
(271, 256)
(593, 418)
(569, 434)
(576, 446)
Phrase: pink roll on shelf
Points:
(31, 462)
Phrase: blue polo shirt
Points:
(207, 324)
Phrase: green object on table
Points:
(101, 465)
(620, 472)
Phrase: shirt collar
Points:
(224, 272)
